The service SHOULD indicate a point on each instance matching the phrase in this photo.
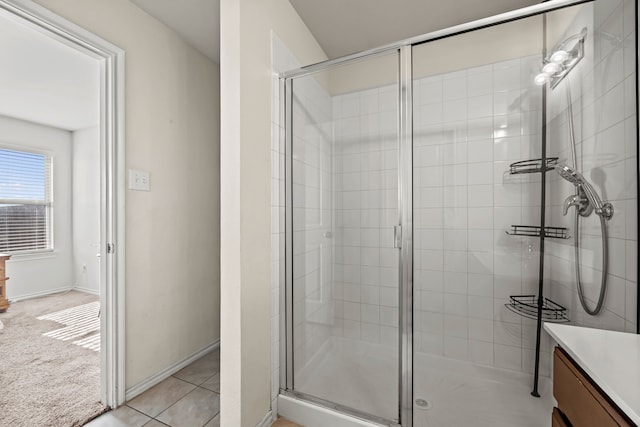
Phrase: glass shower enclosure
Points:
(344, 205)
(428, 228)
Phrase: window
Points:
(25, 202)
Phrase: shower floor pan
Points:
(460, 393)
(448, 392)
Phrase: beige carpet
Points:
(44, 380)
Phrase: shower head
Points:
(571, 175)
(577, 179)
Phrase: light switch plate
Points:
(139, 180)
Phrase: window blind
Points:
(25, 201)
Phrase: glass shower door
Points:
(343, 277)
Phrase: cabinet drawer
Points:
(557, 420)
(579, 399)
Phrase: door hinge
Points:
(111, 248)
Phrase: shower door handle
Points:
(397, 236)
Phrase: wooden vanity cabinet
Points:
(557, 419)
(4, 303)
(581, 403)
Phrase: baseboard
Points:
(38, 294)
(145, 385)
(86, 290)
(267, 420)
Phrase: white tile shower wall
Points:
(365, 171)
(469, 126)
(603, 94)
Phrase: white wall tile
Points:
(455, 240)
(631, 298)
(454, 88)
(480, 173)
(389, 297)
(432, 344)
(481, 330)
(480, 284)
(455, 304)
(480, 129)
(480, 150)
(430, 322)
(351, 329)
(370, 313)
(480, 307)
(456, 348)
(479, 83)
(454, 110)
(481, 352)
(431, 91)
(431, 301)
(455, 282)
(454, 175)
(370, 332)
(455, 326)
(480, 196)
(389, 316)
(508, 357)
(480, 106)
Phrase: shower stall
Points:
(441, 197)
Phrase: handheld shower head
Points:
(571, 175)
(577, 179)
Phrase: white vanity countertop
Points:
(612, 360)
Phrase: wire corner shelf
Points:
(535, 231)
(527, 306)
(532, 166)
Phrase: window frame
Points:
(48, 202)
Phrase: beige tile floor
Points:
(281, 422)
(188, 398)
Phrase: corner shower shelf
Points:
(534, 230)
(532, 166)
(527, 306)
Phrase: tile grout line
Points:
(197, 385)
(173, 404)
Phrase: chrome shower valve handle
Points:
(580, 201)
(574, 200)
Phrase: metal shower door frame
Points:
(405, 202)
(405, 214)
(405, 251)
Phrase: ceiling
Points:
(197, 21)
(343, 27)
(44, 81)
(340, 26)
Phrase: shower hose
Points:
(605, 259)
(603, 228)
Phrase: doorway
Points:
(109, 131)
